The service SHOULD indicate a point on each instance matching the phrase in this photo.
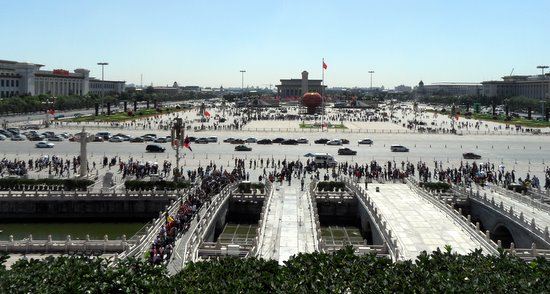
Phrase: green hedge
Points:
(342, 272)
(331, 186)
(136, 185)
(44, 184)
(247, 187)
(440, 186)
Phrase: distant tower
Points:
(175, 85)
(304, 82)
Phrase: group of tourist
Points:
(212, 181)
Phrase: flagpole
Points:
(323, 93)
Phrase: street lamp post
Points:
(242, 83)
(371, 72)
(542, 68)
(102, 64)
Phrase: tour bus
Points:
(324, 160)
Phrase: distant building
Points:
(22, 78)
(402, 89)
(170, 91)
(298, 87)
(537, 87)
(449, 88)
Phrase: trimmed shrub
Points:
(440, 186)
(136, 185)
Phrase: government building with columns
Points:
(22, 78)
(295, 88)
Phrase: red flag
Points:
(324, 65)
(206, 113)
(187, 143)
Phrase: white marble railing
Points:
(465, 222)
(29, 245)
(381, 224)
(261, 230)
(56, 195)
(516, 217)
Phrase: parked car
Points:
(116, 139)
(161, 140)
(321, 141)
(55, 138)
(155, 148)
(147, 138)
(302, 141)
(278, 140)
(251, 140)
(238, 141)
(471, 155)
(137, 140)
(264, 142)
(192, 139)
(124, 137)
(346, 151)
(335, 142)
(202, 141)
(366, 142)
(344, 141)
(18, 138)
(6, 133)
(44, 144)
(243, 148)
(212, 139)
(35, 137)
(289, 142)
(229, 140)
(104, 135)
(398, 148)
(2, 137)
(96, 139)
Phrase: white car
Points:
(56, 138)
(2, 137)
(116, 139)
(251, 140)
(366, 142)
(44, 144)
(302, 141)
(335, 142)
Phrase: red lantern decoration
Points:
(312, 101)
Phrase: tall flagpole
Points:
(323, 93)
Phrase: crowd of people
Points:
(212, 181)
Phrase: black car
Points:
(289, 142)
(344, 141)
(237, 141)
(243, 148)
(155, 148)
(192, 139)
(278, 140)
(137, 140)
(470, 155)
(264, 142)
(321, 141)
(346, 151)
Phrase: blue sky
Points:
(207, 42)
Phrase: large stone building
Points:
(450, 89)
(22, 78)
(293, 88)
(537, 87)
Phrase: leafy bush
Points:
(331, 186)
(439, 186)
(44, 184)
(136, 185)
(341, 272)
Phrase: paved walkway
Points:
(418, 224)
(289, 229)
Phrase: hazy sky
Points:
(206, 43)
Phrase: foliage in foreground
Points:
(438, 272)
